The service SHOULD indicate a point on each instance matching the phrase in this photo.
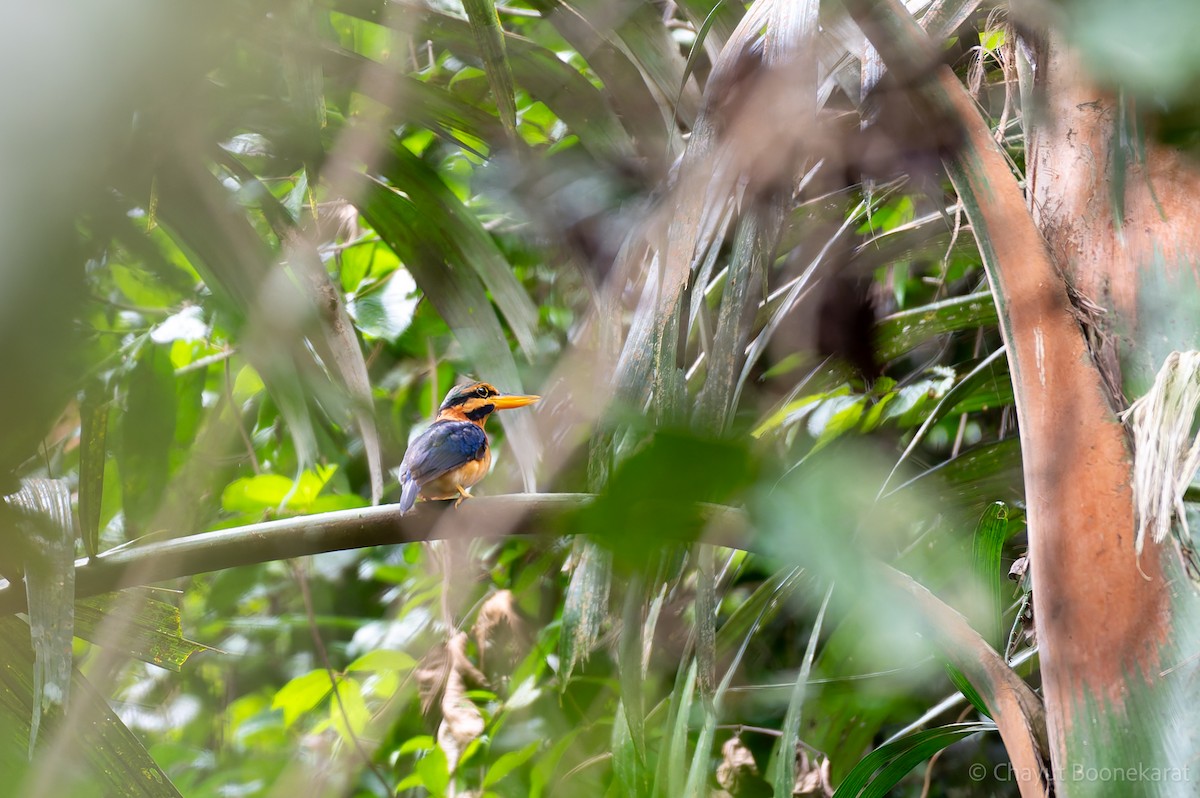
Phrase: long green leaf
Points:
(627, 88)
(151, 629)
(994, 529)
(753, 253)
(49, 526)
(96, 756)
(147, 432)
(337, 344)
(235, 262)
(902, 331)
(784, 776)
(415, 233)
(960, 680)
(571, 96)
(468, 242)
(93, 454)
(974, 479)
(675, 759)
(880, 771)
(586, 605)
(629, 675)
(952, 399)
(699, 771)
(762, 606)
(485, 24)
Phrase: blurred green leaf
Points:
(656, 495)
(302, 694)
(147, 429)
(383, 660)
(348, 711)
(93, 456)
(585, 605)
(900, 332)
(507, 763)
(98, 757)
(785, 757)
(44, 506)
(995, 527)
(271, 492)
(490, 38)
(142, 627)
(881, 770)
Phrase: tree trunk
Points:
(1117, 635)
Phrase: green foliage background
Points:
(251, 245)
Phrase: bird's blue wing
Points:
(444, 446)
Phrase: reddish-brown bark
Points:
(1072, 194)
(1101, 620)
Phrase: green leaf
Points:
(762, 606)
(627, 764)
(753, 253)
(420, 225)
(902, 331)
(658, 494)
(489, 36)
(507, 763)
(302, 694)
(270, 492)
(545, 765)
(950, 399)
(383, 660)
(572, 97)
(44, 507)
(964, 686)
(585, 606)
(972, 480)
(784, 776)
(147, 433)
(630, 647)
(834, 418)
(98, 757)
(629, 94)
(234, 260)
(93, 455)
(387, 311)
(881, 770)
(994, 529)
(675, 760)
(433, 770)
(465, 241)
(150, 630)
(348, 710)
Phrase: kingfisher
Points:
(453, 454)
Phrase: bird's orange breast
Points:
(446, 486)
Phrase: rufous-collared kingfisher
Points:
(453, 454)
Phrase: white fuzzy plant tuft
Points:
(1166, 452)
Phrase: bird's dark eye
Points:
(481, 392)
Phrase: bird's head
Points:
(478, 400)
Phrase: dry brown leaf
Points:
(812, 777)
(500, 633)
(462, 722)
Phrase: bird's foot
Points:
(462, 494)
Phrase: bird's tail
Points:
(408, 496)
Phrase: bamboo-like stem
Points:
(494, 516)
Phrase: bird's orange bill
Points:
(506, 402)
